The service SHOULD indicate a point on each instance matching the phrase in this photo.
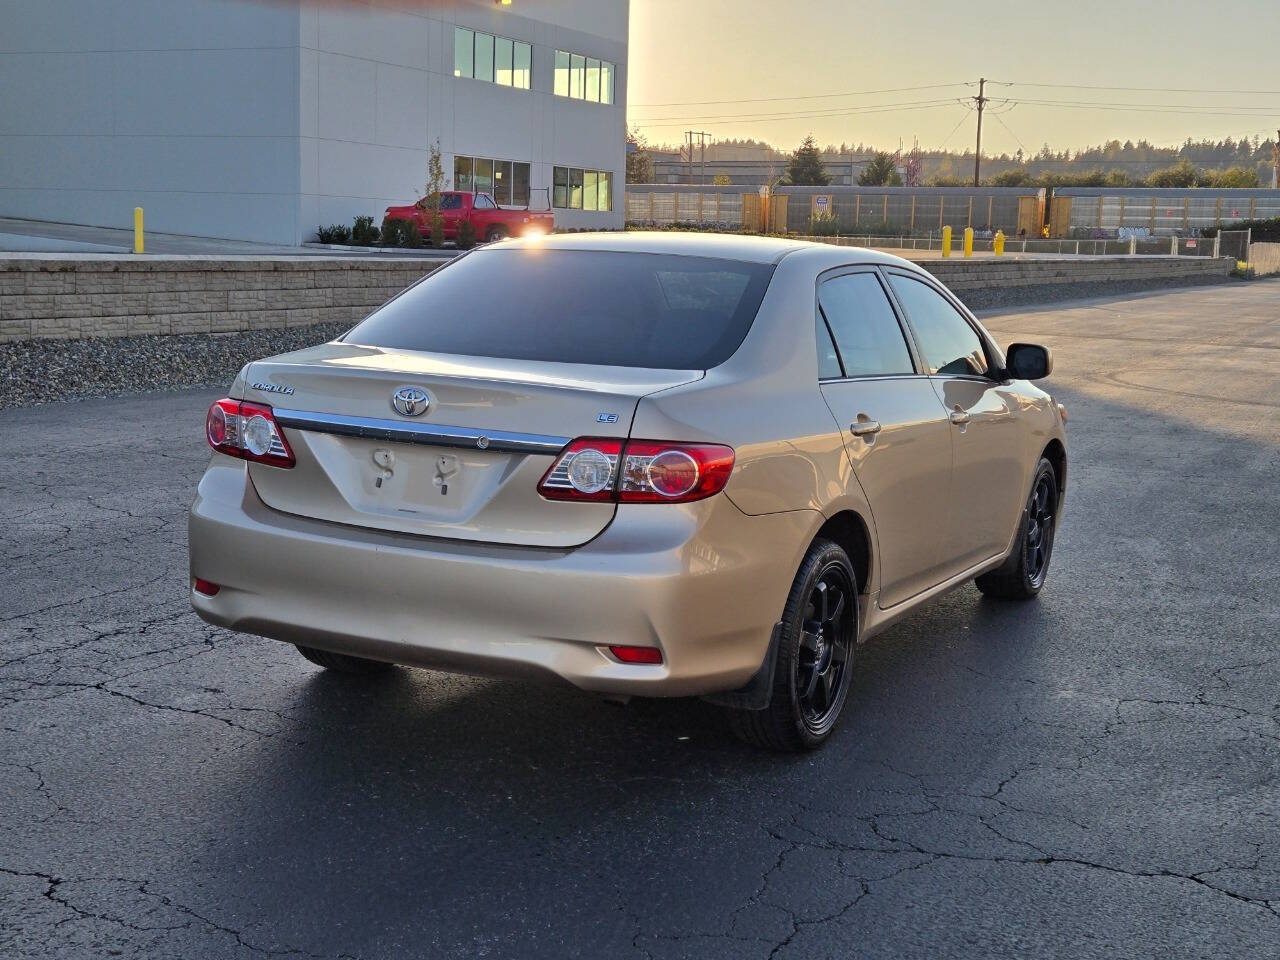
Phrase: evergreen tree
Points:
(881, 171)
(805, 168)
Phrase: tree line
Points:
(1196, 163)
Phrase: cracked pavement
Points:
(1092, 774)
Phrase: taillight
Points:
(637, 654)
(637, 471)
(247, 430)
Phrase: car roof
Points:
(723, 246)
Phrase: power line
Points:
(886, 108)
(1011, 133)
(810, 96)
(1092, 86)
(790, 114)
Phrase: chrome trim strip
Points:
(434, 434)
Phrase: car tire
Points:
(818, 634)
(1023, 575)
(493, 234)
(343, 662)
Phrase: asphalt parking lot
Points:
(1094, 774)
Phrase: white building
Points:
(262, 119)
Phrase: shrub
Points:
(410, 235)
(466, 235)
(437, 230)
(364, 233)
(334, 233)
(390, 235)
(824, 225)
(1264, 231)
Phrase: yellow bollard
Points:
(997, 245)
(968, 241)
(946, 241)
(137, 230)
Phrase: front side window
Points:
(868, 338)
(569, 306)
(950, 345)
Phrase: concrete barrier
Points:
(81, 296)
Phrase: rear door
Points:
(895, 430)
(988, 474)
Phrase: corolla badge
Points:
(410, 401)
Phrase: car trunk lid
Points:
(466, 467)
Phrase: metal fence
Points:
(1182, 212)
(657, 205)
(916, 210)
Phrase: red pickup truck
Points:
(491, 222)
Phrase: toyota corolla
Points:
(648, 465)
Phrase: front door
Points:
(895, 429)
(987, 473)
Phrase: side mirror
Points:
(1028, 361)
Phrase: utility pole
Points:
(702, 161)
(977, 152)
(1275, 163)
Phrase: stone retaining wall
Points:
(115, 296)
(112, 296)
(961, 274)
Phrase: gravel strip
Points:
(42, 371)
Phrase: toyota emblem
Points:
(410, 401)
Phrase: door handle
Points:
(864, 427)
(959, 416)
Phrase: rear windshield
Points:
(569, 306)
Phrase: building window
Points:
(500, 60)
(574, 189)
(506, 180)
(583, 78)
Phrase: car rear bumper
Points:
(703, 582)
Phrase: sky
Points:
(768, 62)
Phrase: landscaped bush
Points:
(824, 225)
(466, 235)
(1264, 231)
(364, 233)
(392, 231)
(437, 230)
(334, 233)
(410, 235)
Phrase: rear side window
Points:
(949, 344)
(865, 328)
(570, 306)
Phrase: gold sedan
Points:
(654, 465)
